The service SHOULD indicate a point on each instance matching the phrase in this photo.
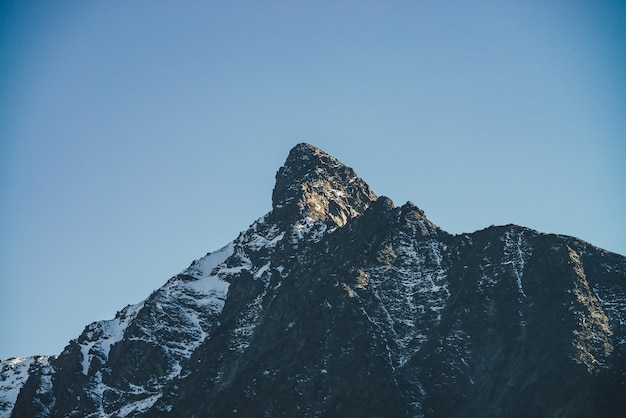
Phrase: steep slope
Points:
(391, 316)
(118, 367)
(338, 303)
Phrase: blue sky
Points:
(137, 136)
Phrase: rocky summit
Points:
(337, 303)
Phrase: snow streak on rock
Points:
(410, 287)
(98, 337)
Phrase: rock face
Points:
(338, 303)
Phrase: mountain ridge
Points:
(448, 324)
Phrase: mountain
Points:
(338, 303)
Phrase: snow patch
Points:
(204, 266)
(100, 336)
(13, 375)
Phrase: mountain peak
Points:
(306, 161)
(303, 150)
(312, 184)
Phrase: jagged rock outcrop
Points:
(339, 303)
(312, 186)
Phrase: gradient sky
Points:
(137, 136)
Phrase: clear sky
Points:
(138, 136)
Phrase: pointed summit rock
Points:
(313, 186)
